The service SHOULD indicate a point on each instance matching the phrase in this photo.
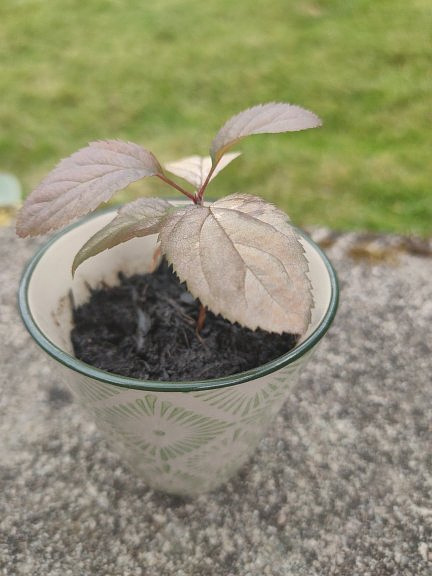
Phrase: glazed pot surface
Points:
(182, 437)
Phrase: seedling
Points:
(240, 256)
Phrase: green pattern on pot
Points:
(181, 437)
(194, 436)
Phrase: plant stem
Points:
(167, 180)
(201, 319)
(207, 180)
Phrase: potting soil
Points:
(145, 327)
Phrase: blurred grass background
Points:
(167, 75)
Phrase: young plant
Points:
(240, 256)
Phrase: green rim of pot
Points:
(168, 386)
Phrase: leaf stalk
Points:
(201, 191)
(170, 182)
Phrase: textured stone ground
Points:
(342, 484)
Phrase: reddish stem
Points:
(167, 180)
(207, 180)
(201, 319)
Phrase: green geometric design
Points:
(190, 441)
(165, 476)
(233, 401)
(92, 390)
(241, 402)
(160, 429)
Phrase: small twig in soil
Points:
(201, 339)
(144, 324)
(186, 339)
(188, 319)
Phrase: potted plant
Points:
(240, 258)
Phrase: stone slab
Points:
(341, 485)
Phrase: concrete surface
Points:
(342, 484)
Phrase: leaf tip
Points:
(75, 264)
(19, 231)
(23, 225)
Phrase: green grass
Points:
(167, 74)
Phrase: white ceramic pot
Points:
(182, 437)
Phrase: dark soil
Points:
(146, 328)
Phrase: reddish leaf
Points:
(195, 169)
(261, 119)
(243, 260)
(83, 181)
(139, 218)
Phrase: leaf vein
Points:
(250, 216)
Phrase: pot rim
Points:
(168, 386)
